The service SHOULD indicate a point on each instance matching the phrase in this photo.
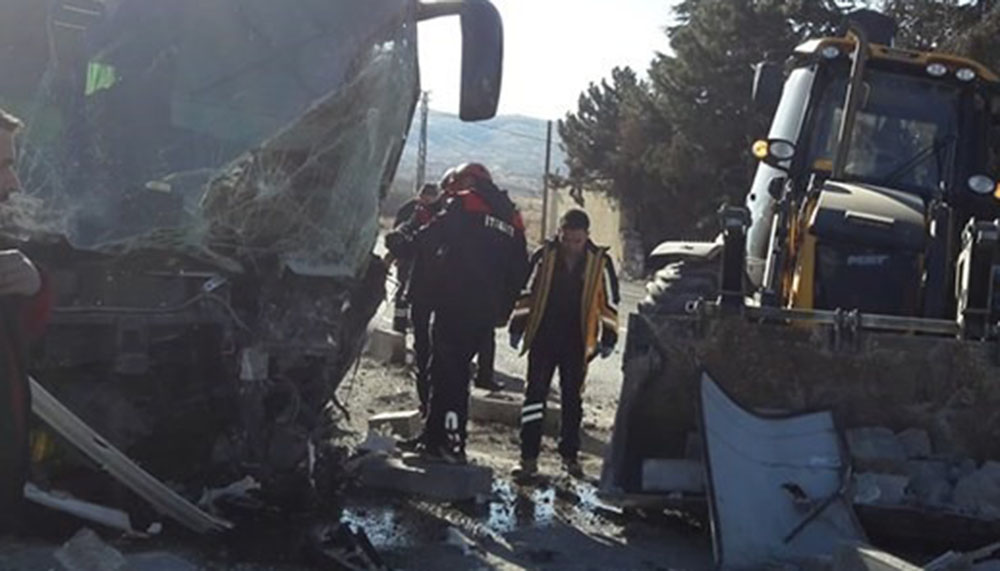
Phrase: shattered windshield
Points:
(904, 134)
(245, 128)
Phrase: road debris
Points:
(387, 346)
(405, 424)
(102, 515)
(789, 468)
(240, 492)
(119, 466)
(410, 474)
(860, 557)
(85, 551)
(348, 548)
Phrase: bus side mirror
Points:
(482, 60)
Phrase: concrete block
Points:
(504, 408)
(856, 557)
(405, 423)
(436, 481)
(979, 492)
(158, 562)
(929, 483)
(876, 449)
(387, 346)
(85, 551)
(880, 489)
(915, 442)
(961, 469)
(378, 444)
(672, 475)
(590, 444)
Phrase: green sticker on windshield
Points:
(100, 76)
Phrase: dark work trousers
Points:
(544, 357)
(485, 359)
(15, 406)
(456, 338)
(420, 315)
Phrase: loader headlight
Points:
(937, 69)
(965, 74)
(982, 184)
(773, 152)
(831, 52)
(782, 150)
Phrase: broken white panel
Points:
(240, 490)
(119, 466)
(95, 513)
(856, 557)
(775, 484)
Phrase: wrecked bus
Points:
(201, 182)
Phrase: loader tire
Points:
(675, 287)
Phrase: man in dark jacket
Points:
(420, 207)
(24, 306)
(476, 257)
(484, 377)
(414, 289)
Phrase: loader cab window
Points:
(791, 111)
(905, 133)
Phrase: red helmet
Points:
(467, 174)
(447, 179)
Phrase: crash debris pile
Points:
(904, 470)
(782, 490)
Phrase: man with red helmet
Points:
(459, 178)
(475, 257)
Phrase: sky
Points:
(553, 49)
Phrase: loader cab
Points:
(921, 139)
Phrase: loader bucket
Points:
(940, 384)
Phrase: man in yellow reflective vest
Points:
(566, 315)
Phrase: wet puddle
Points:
(389, 527)
(510, 508)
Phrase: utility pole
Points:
(422, 149)
(545, 182)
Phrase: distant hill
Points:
(512, 147)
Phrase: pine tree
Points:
(674, 146)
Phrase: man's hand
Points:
(394, 241)
(515, 340)
(606, 350)
(18, 276)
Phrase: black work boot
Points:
(490, 384)
(528, 468)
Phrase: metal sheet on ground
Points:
(775, 484)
